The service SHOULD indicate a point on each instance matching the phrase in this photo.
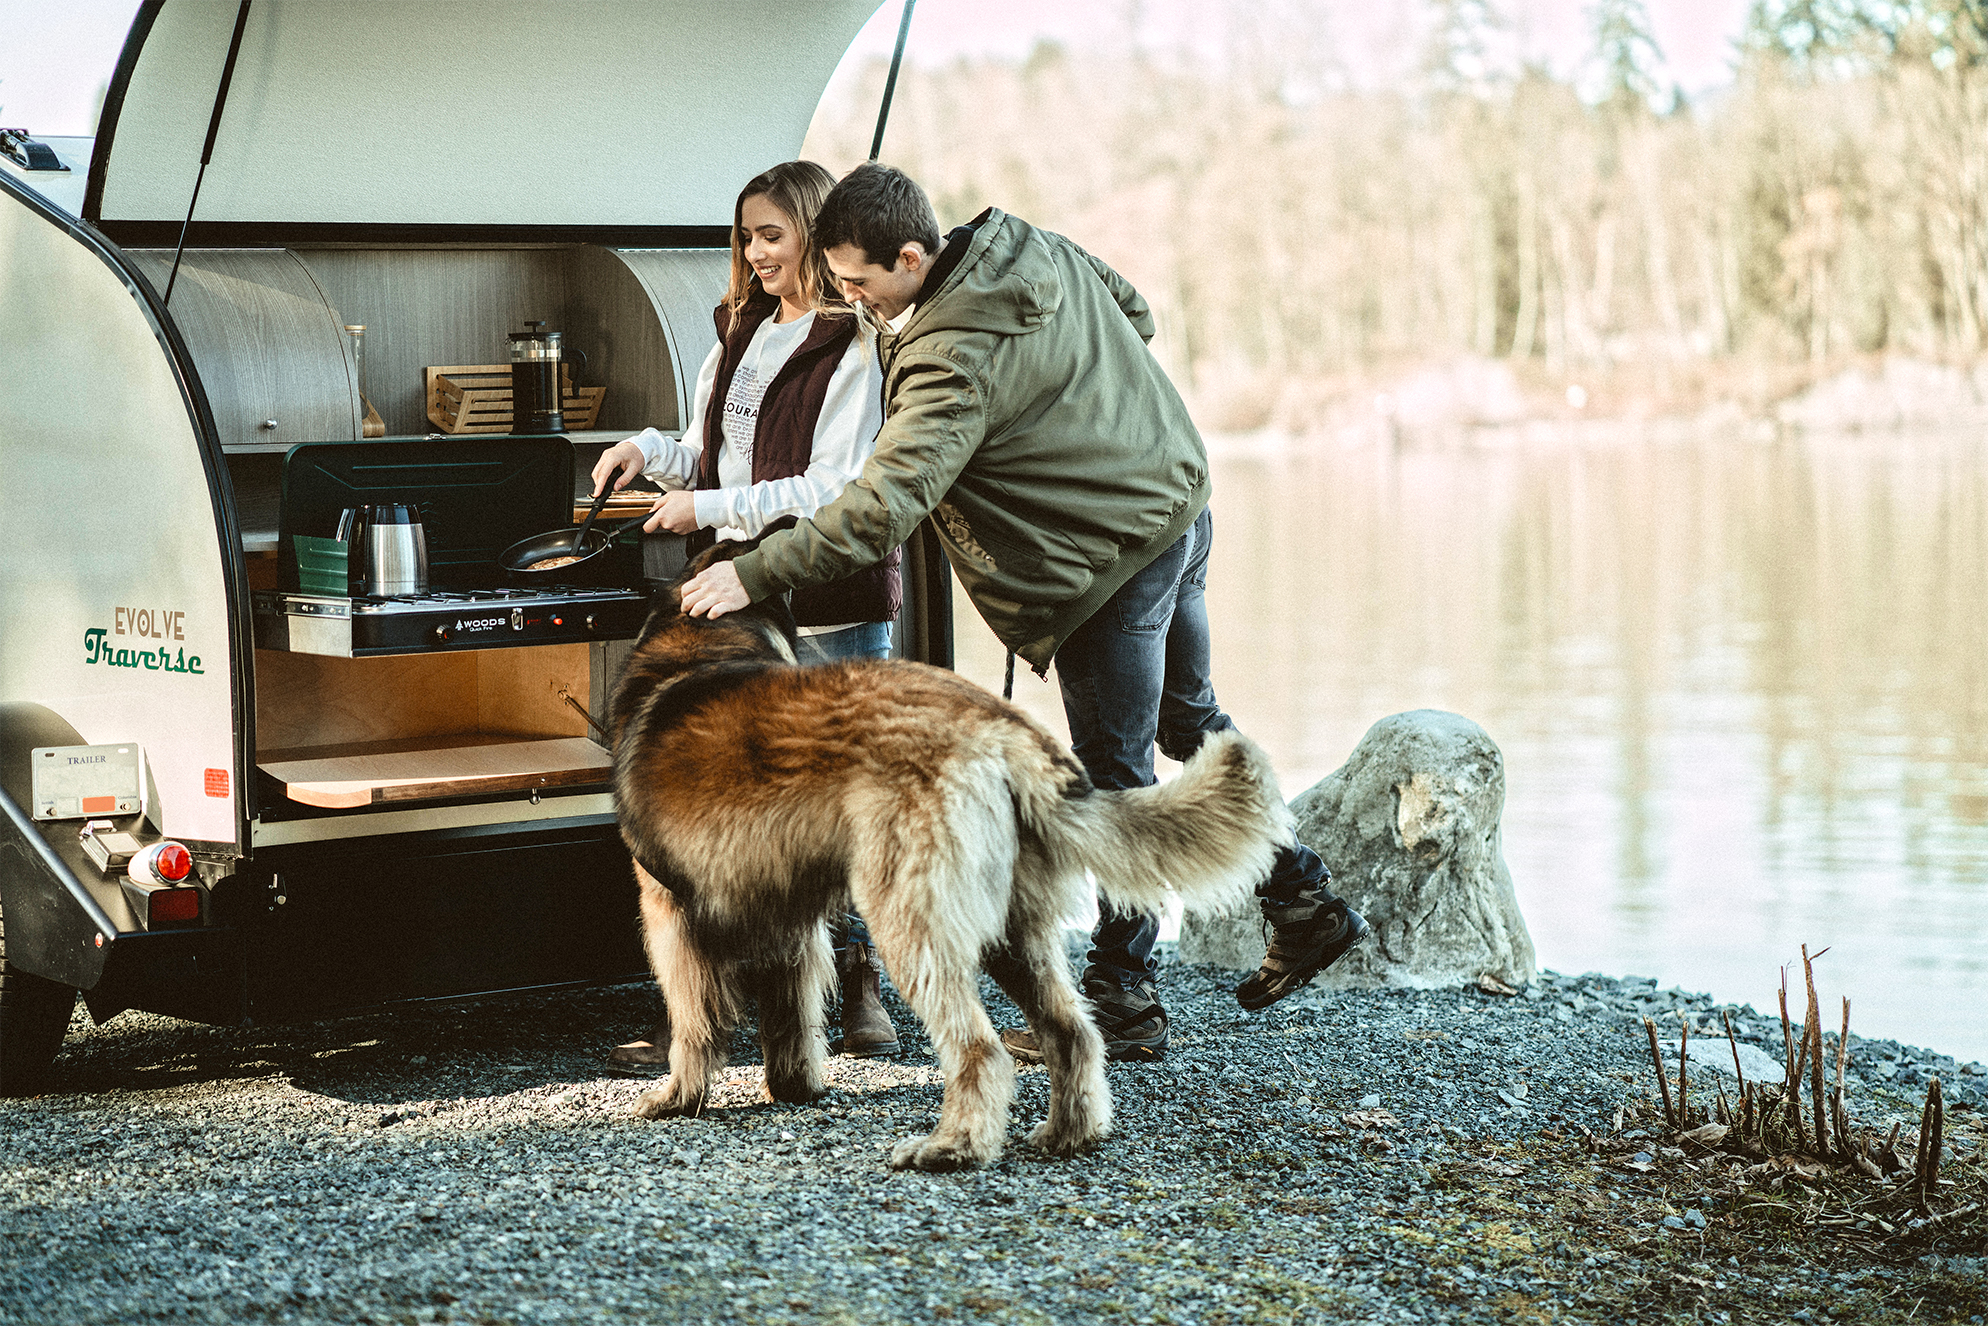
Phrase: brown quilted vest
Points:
(783, 443)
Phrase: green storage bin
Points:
(321, 566)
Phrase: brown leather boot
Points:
(646, 1057)
(866, 1028)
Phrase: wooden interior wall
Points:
(635, 318)
(518, 690)
(436, 306)
(304, 700)
(266, 330)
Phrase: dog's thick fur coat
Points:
(758, 798)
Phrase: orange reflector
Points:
(175, 905)
(172, 863)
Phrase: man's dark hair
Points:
(879, 209)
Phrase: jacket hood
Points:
(1010, 278)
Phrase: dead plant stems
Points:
(1814, 1033)
(1663, 1077)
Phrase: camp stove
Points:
(445, 619)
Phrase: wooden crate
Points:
(476, 398)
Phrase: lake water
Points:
(1741, 685)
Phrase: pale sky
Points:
(55, 54)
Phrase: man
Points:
(1025, 415)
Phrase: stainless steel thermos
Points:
(386, 548)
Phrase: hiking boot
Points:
(867, 1031)
(1306, 939)
(648, 1057)
(1133, 1024)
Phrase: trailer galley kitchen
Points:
(380, 800)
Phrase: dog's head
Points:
(765, 628)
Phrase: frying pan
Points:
(561, 543)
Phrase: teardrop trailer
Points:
(379, 801)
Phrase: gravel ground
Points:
(1357, 1157)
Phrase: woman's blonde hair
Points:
(797, 188)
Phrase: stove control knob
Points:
(444, 634)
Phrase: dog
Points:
(758, 798)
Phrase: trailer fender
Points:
(55, 928)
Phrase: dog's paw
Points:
(664, 1103)
(930, 1154)
(1064, 1142)
(797, 1090)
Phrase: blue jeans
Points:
(863, 640)
(1134, 675)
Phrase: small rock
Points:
(1715, 1054)
(1672, 1222)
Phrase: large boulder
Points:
(1410, 830)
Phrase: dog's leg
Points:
(700, 1006)
(791, 1020)
(1035, 975)
(934, 883)
(942, 988)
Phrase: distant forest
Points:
(1831, 203)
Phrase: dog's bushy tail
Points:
(1208, 836)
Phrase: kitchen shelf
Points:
(465, 764)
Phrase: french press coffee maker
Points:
(535, 364)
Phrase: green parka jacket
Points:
(1024, 413)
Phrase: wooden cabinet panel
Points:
(266, 342)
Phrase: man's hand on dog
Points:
(714, 591)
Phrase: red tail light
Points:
(161, 863)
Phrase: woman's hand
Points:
(714, 591)
(619, 463)
(675, 512)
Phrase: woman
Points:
(799, 402)
(786, 411)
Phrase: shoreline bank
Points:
(1356, 1156)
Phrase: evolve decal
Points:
(146, 624)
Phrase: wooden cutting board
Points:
(619, 506)
(371, 773)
